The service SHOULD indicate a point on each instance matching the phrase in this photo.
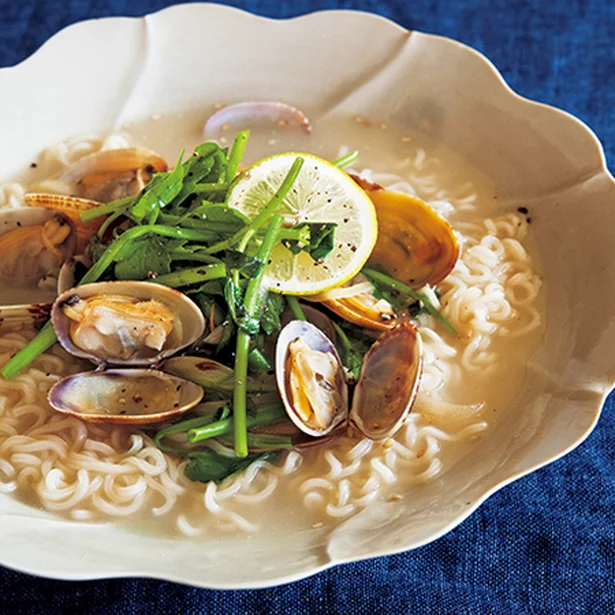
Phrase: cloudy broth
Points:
(468, 381)
(385, 149)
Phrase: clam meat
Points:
(33, 244)
(126, 323)
(312, 384)
(118, 325)
(310, 378)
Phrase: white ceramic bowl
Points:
(98, 74)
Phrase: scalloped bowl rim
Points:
(73, 573)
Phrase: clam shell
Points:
(316, 340)
(112, 174)
(71, 207)
(28, 314)
(415, 245)
(388, 382)
(189, 323)
(316, 317)
(124, 396)
(349, 302)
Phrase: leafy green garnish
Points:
(352, 346)
(140, 259)
(219, 217)
(391, 284)
(270, 316)
(248, 266)
(237, 309)
(322, 240)
(257, 361)
(160, 191)
(205, 466)
(215, 287)
(197, 169)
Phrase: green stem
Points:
(212, 187)
(108, 256)
(344, 161)
(296, 234)
(107, 208)
(236, 154)
(265, 213)
(265, 416)
(239, 394)
(184, 255)
(182, 427)
(343, 338)
(393, 284)
(45, 339)
(264, 442)
(251, 301)
(185, 277)
(257, 362)
(211, 230)
(109, 221)
(295, 308)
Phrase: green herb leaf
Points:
(160, 191)
(205, 466)
(249, 266)
(138, 259)
(257, 362)
(215, 287)
(228, 331)
(245, 321)
(322, 240)
(270, 318)
(196, 169)
(219, 214)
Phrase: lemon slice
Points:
(321, 193)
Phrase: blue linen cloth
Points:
(544, 545)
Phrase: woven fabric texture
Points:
(544, 545)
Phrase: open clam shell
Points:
(330, 385)
(388, 382)
(108, 334)
(21, 229)
(71, 207)
(316, 317)
(124, 396)
(384, 394)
